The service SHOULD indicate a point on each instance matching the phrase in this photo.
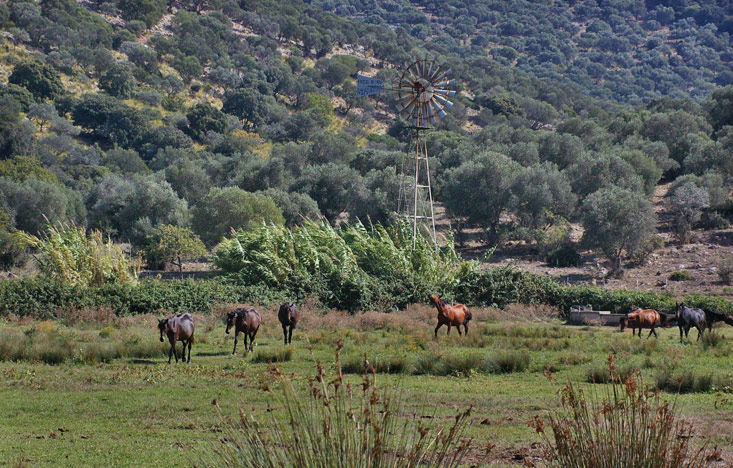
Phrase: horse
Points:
(711, 318)
(246, 320)
(450, 315)
(688, 317)
(644, 318)
(288, 316)
(178, 328)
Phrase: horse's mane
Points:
(443, 303)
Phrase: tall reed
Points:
(70, 254)
(629, 427)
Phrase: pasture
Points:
(92, 389)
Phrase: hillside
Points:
(131, 115)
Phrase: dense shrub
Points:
(564, 257)
(680, 276)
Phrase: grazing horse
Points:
(688, 317)
(711, 318)
(244, 320)
(644, 318)
(288, 316)
(178, 328)
(451, 315)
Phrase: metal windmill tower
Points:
(422, 98)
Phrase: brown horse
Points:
(244, 320)
(451, 315)
(288, 316)
(644, 318)
(178, 328)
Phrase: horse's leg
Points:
(285, 333)
(190, 342)
(290, 335)
(458, 327)
(252, 340)
(170, 353)
(699, 332)
(436, 329)
(449, 325)
(236, 338)
(465, 327)
(680, 327)
(244, 337)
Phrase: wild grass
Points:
(685, 381)
(627, 427)
(332, 424)
(506, 362)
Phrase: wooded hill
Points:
(131, 116)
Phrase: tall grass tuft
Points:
(507, 362)
(334, 425)
(628, 427)
(73, 256)
(273, 355)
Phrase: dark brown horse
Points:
(712, 317)
(288, 316)
(178, 328)
(644, 318)
(451, 315)
(244, 320)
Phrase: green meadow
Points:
(96, 390)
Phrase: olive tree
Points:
(687, 202)
(618, 222)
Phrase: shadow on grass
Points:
(146, 362)
(211, 354)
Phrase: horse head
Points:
(230, 320)
(162, 326)
(435, 300)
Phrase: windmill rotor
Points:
(422, 92)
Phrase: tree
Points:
(687, 202)
(22, 168)
(224, 209)
(617, 221)
(173, 244)
(541, 194)
(33, 203)
(721, 107)
(480, 190)
(296, 207)
(148, 11)
(204, 117)
(248, 105)
(329, 186)
(188, 66)
(134, 206)
(40, 79)
(19, 93)
(118, 82)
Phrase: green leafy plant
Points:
(680, 276)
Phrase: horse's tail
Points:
(469, 316)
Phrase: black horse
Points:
(688, 317)
(712, 317)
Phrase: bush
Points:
(725, 270)
(381, 365)
(564, 257)
(680, 276)
(585, 431)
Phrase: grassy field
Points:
(112, 401)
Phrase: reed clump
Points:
(333, 423)
(627, 427)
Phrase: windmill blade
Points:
(444, 92)
(444, 101)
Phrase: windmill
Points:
(422, 98)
